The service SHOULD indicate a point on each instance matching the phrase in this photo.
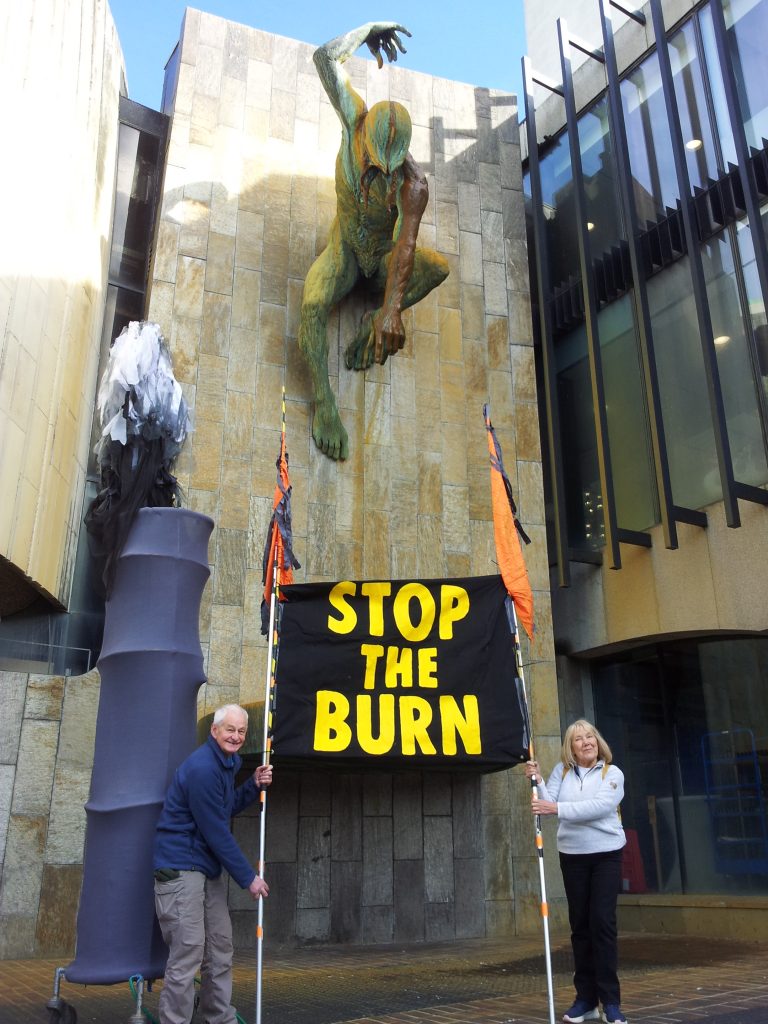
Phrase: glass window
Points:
(688, 725)
(630, 712)
(628, 436)
(603, 213)
(559, 212)
(648, 140)
(734, 361)
(695, 123)
(648, 131)
(754, 296)
(683, 388)
(747, 28)
(634, 482)
(578, 443)
(170, 81)
(135, 198)
(604, 221)
(723, 131)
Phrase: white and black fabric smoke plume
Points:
(144, 420)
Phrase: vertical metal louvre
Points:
(545, 320)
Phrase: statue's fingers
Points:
(374, 48)
(399, 44)
(390, 346)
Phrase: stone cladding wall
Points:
(249, 198)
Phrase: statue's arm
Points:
(378, 36)
(389, 334)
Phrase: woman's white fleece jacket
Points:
(587, 807)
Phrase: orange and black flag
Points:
(279, 546)
(508, 533)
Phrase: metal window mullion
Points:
(704, 318)
(637, 16)
(743, 158)
(554, 446)
(590, 306)
(642, 310)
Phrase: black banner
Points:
(399, 674)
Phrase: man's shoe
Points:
(613, 1015)
(581, 1011)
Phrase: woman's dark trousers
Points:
(592, 883)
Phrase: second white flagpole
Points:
(539, 838)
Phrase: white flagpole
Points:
(266, 747)
(269, 686)
(537, 826)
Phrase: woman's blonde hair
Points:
(566, 751)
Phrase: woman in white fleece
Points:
(585, 791)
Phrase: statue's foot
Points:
(328, 430)
(359, 353)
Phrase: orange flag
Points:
(506, 529)
(279, 546)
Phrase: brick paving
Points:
(665, 980)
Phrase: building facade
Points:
(248, 201)
(647, 191)
(240, 162)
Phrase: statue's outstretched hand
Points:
(383, 36)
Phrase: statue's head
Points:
(387, 129)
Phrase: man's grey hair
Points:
(221, 713)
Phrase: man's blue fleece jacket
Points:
(193, 831)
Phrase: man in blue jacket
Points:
(193, 844)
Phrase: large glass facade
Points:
(687, 718)
(687, 722)
(692, 413)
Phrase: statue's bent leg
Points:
(429, 270)
(330, 278)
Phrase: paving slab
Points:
(665, 980)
